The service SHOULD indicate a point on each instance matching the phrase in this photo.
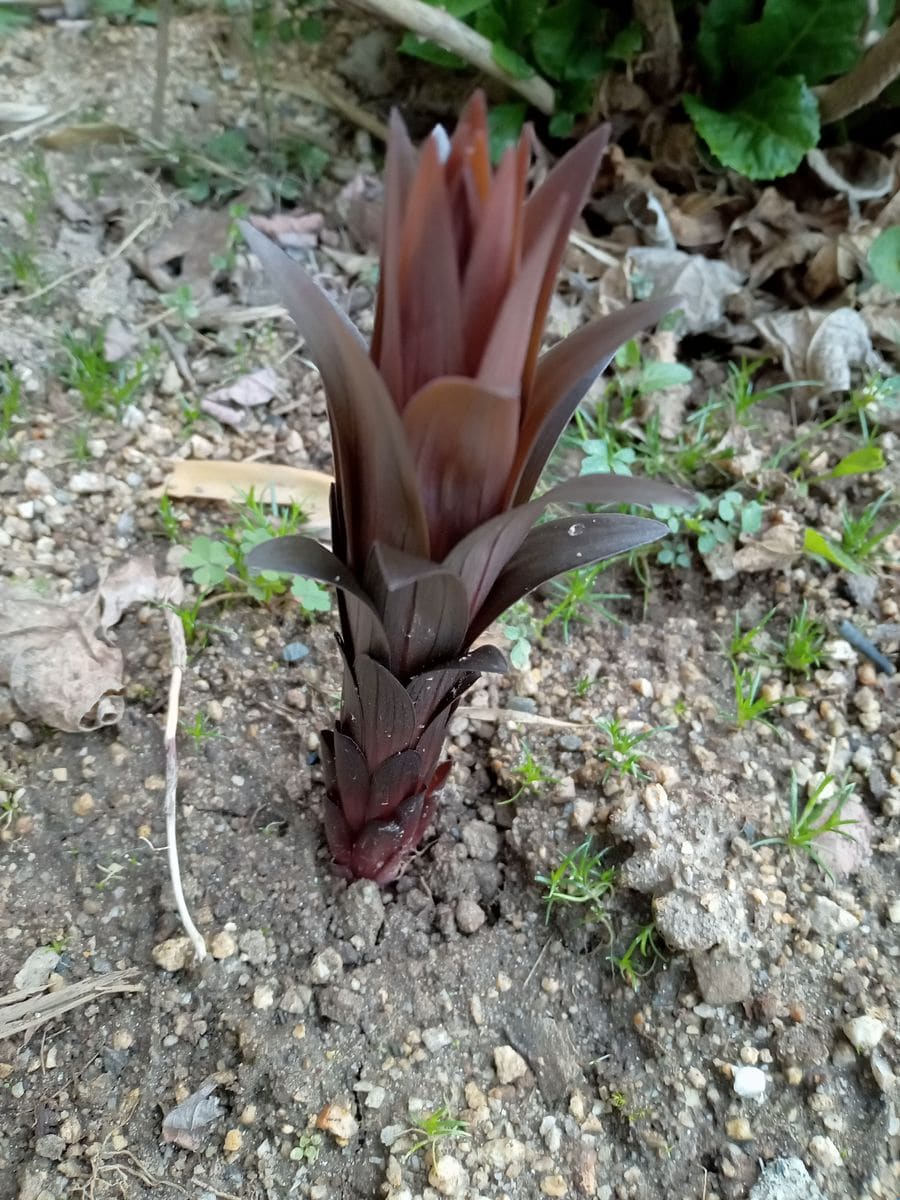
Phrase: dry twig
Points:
(878, 68)
(454, 35)
(32, 1007)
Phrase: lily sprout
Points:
(441, 430)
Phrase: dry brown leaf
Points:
(192, 241)
(772, 550)
(703, 283)
(216, 479)
(57, 667)
(186, 1124)
(247, 391)
(702, 219)
(821, 347)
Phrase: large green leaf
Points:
(884, 257)
(765, 136)
(813, 38)
(717, 25)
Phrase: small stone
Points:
(894, 912)
(375, 1097)
(326, 966)
(554, 1185)
(435, 1039)
(296, 999)
(263, 996)
(295, 652)
(70, 1130)
(60, 774)
(87, 483)
(749, 1083)
(829, 919)
(447, 1176)
(36, 483)
(738, 1129)
(223, 945)
(247, 1115)
(253, 946)
(785, 1179)
(482, 840)
(470, 916)
(697, 922)
(825, 1152)
(864, 1033)
(51, 1146)
(21, 732)
(722, 977)
(339, 1122)
(361, 912)
(83, 805)
(173, 954)
(233, 1141)
(36, 969)
(583, 813)
(509, 1063)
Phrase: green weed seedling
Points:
(519, 626)
(11, 403)
(804, 645)
(106, 389)
(822, 813)
(580, 878)
(433, 1129)
(640, 957)
(621, 1103)
(200, 729)
(532, 774)
(749, 702)
(860, 540)
(623, 754)
(578, 599)
(743, 642)
(169, 520)
(308, 1149)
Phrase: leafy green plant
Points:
(804, 644)
(640, 956)
(436, 1127)
(861, 545)
(572, 43)
(580, 878)
(822, 813)
(216, 562)
(169, 519)
(105, 388)
(758, 114)
(624, 753)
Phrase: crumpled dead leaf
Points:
(190, 244)
(58, 668)
(772, 550)
(704, 283)
(186, 1124)
(247, 391)
(820, 347)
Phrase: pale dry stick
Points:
(25, 131)
(179, 665)
(32, 1007)
(317, 91)
(878, 68)
(454, 35)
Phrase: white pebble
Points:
(750, 1083)
(864, 1033)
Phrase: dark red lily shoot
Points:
(440, 431)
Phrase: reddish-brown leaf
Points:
(563, 545)
(563, 376)
(375, 474)
(463, 440)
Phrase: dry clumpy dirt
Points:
(758, 1058)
